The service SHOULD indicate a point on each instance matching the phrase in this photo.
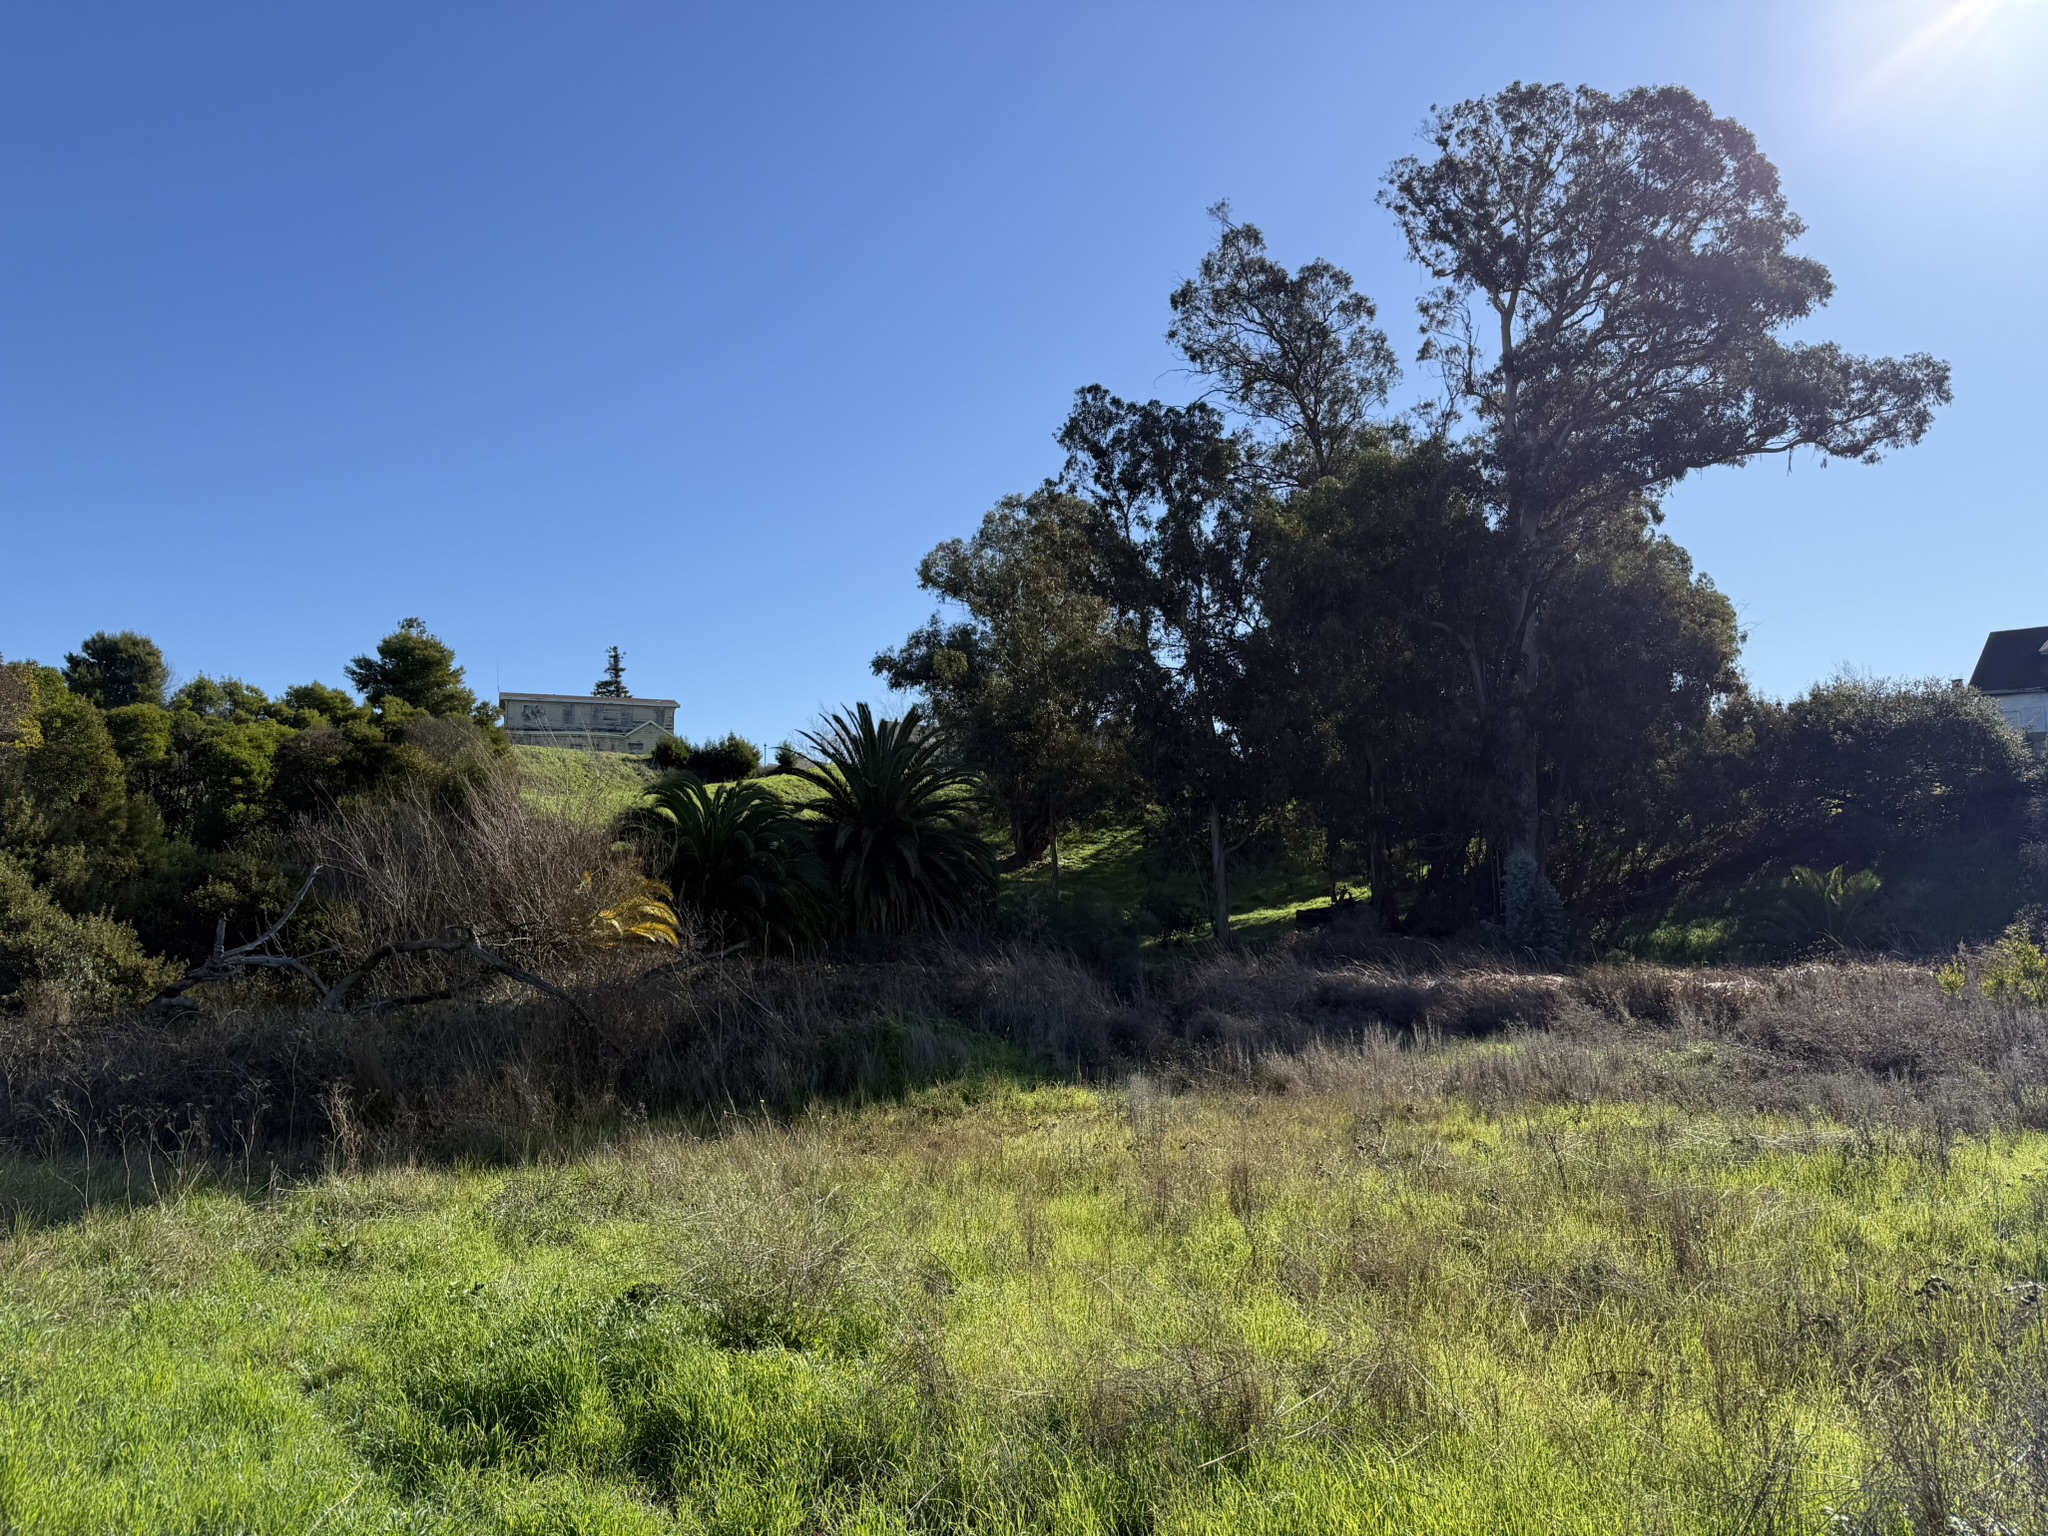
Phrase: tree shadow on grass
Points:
(266, 1103)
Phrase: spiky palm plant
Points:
(737, 859)
(894, 820)
(1831, 910)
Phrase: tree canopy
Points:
(1616, 273)
(415, 671)
(114, 670)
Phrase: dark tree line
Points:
(1460, 634)
(134, 816)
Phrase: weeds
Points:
(1743, 1253)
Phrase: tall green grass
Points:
(1374, 1289)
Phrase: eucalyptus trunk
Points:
(1219, 877)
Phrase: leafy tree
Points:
(18, 730)
(114, 670)
(1171, 509)
(64, 809)
(1026, 688)
(215, 784)
(894, 825)
(1857, 771)
(737, 859)
(324, 765)
(304, 704)
(1639, 673)
(1616, 272)
(1296, 349)
(225, 698)
(1378, 598)
(417, 671)
(613, 684)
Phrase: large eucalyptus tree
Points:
(1616, 278)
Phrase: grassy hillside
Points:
(1544, 1284)
(602, 784)
(1143, 877)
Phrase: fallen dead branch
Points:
(224, 964)
(456, 943)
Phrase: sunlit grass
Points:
(1122, 873)
(1353, 1302)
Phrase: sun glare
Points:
(1955, 31)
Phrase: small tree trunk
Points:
(1528, 790)
(1219, 877)
(1052, 839)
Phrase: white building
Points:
(2013, 673)
(588, 723)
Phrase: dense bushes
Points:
(1864, 1043)
(715, 762)
(888, 844)
(56, 962)
(144, 819)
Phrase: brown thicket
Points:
(510, 1074)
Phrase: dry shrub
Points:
(1865, 1045)
(483, 858)
(1046, 1002)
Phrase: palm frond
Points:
(736, 859)
(894, 821)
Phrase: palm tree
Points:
(1834, 910)
(894, 823)
(736, 858)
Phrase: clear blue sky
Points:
(690, 328)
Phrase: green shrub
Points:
(93, 963)
(2017, 972)
(736, 859)
(729, 758)
(895, 826)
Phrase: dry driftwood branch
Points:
(453, 943)
(224, 963)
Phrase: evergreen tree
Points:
(117, 669)
(1617, 277)
(613, 684)
(416, 670)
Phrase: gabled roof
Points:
(2014, 661)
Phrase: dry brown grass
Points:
(507, 1076)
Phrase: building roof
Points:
(2014, 661)
(587, 698)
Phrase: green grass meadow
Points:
(1371, 1290)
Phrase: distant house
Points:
(2013, 674)
(586, 722)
